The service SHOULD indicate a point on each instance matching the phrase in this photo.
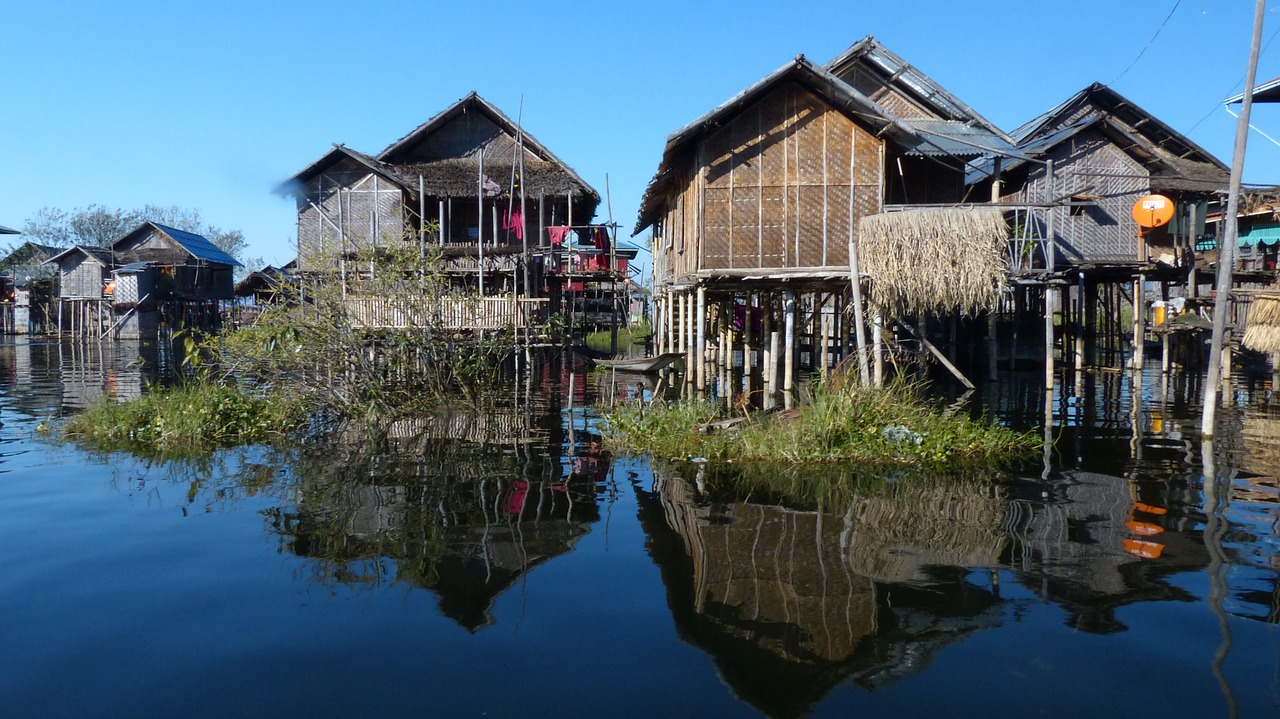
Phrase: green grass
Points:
(843, 423)
(627, 335)
(188, 418)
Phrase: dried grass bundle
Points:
(934, 261)
(1262, 330)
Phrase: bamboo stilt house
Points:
(153, 276)
(1108, 153)
(755, 205)
(469, 184)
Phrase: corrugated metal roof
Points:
(131, 268)
(199, 247)
(897, 71)
(955, 138)
(1268, 91)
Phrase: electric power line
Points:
(1149, 43)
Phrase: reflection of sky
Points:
(127, 579)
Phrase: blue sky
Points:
(211, 105)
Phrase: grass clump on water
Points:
(843, 422)
(190, 417)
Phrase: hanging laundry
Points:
(513, 221)
(557, 233)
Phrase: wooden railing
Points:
(449, 313)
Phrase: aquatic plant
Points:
(842, 422)
(192, 416)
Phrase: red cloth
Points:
(557, 233)
(513, 221)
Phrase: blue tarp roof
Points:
(198, 246)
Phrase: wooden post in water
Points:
(1050, 293)
(700, 344)
(748, 337)
(768, 342)
(1081, 319)
(855, 289)
(877, 344)
(789, 362)
(1230, 233)
(1139, 322)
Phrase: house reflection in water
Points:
(465, 521)
(789, 603)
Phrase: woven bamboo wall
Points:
(874, 87)
(81, 277)
(371, 214)
(1092, 167)
(781, 185)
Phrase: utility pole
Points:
(1229, 235)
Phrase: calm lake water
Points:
(532, 575)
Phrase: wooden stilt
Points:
(789, 363)
(877, 343)
(768, 342)
(700, 344)
(855, 291)
(748, 337)
(1139, 322)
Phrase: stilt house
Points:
(153, 276)
(1107, 154)
(26, 297)
(469, 184)
(1083, 167)
(755, 205)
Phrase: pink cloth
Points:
(557, 233)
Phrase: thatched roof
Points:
(444, 162)
(457, 177)
(1262, 329)
(934, 260)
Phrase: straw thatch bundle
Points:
(1262, 330)
(934, 261)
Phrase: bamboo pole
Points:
(1139, 322)
(1050, 292)
(789, 341)
(768, 342)
(1080, 323)
(855, 287)
(480, 223)
(877, 345)
(700, 343)
(1226, 247)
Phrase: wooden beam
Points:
(936, 353)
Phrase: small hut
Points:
(82, 276)
(26, 300)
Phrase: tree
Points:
(98, 226)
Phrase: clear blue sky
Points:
(211, 105)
